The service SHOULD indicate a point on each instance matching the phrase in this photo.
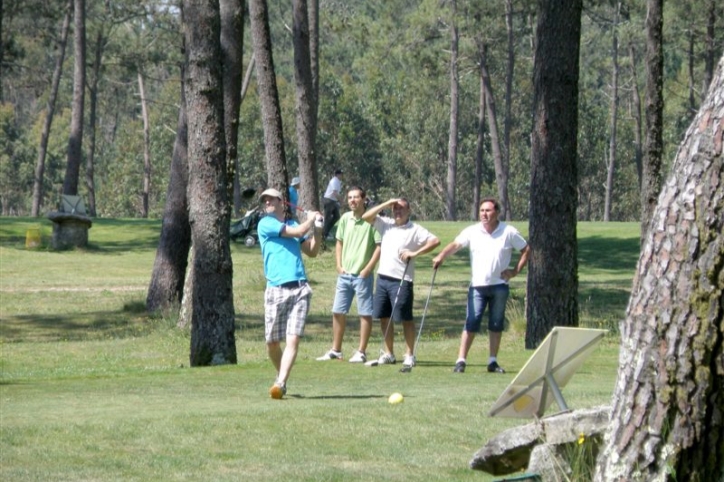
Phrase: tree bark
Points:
(305, 108)
(237, 182)
(75, 140)
(509, 72)
(452, 145)
(501, 169)
(553, 262)
(232, 50)
(636, 101)
(710, 46)
(268, 96)
(45, 134)
(145, 193)
(479, 152)
(667, 418)
(166, 289)
(212, 304)
(92, 117)
(653, 148)
(611, 164)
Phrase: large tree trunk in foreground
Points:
(553, 262)
(212, 303)
(667, 421)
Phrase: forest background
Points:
(384, 103)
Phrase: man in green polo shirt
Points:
(357, 252)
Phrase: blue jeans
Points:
(494, 298)
(348, 286)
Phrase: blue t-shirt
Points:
(282, 256)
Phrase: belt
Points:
(388, 278)
(293, 284)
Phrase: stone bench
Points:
(70, 224)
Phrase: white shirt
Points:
(490, 253)
(396, 239)
(335, 184)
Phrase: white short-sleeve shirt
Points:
(490, 253)
(396, 239)
(335, 184)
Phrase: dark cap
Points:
(338, 171)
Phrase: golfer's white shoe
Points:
(358, 357)
(410, 361)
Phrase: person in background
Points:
(294, 193)
(357, 252)
(287, 295)
(491, 243)
(402, 242)
(330, 202)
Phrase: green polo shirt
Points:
(359, 239)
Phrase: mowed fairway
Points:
(93, 389)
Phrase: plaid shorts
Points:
(285, 311)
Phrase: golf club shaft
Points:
(293, 206)
(424, 312)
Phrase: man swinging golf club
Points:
(402, 242)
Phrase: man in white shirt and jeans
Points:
(330, 202)
(491, 243)
(402, 242)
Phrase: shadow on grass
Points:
(127, 322)
(619, 254)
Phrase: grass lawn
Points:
(92, 388)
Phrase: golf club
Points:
(408, 368)
(374, 363)
(293, 206)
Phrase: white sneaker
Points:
(358, 357)
(387, 359)
(410, 361)
(331, 355)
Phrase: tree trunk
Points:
(166, 289)
(611, 164)
(501, 171)
(710, 46)
(306, 111)
(92, 116)
(553, 262)
(479, 152)
(653, 149)
(509, 72)
(75, 140)
(636, 114)
(452, 145)
(45, 134)
(268, 96)
(232, 51)
(212, 303)
(146, 148)
(237, 182)
(667, 422)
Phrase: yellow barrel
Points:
(32, 238)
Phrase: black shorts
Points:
(386, 292)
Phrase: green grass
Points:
(91, 388)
